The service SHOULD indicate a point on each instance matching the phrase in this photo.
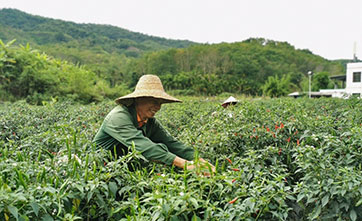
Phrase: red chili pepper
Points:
(233, 180)
(288, 139)
(267, 129)
(235, 169)
(233, 201)
(298, 142)
(276, 127)
(281, 125)
(280, 151)
(231, 162)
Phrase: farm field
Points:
(276, 159)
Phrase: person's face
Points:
(147, 107)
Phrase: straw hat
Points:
(147, 86)
(230, 100)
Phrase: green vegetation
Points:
(276, 159)
(104, 49)
(203, 69)
(28, 74)
(120, 57)
(38, 30)
(241, 67)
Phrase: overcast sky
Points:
(329, 28)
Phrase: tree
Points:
(321, 81)
(275, 87)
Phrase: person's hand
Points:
(201, 166)
(209, 164)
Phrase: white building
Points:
(354, 83)
(352, 80)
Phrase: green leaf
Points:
(113, 187)
(89, 196)
(359, 203)
(156, 215)
(316, 213)
(353, 215)
(177, 203)
(325, 200)
(35, 207)
(250, 203)
(23, 218)
(195, 218)
(323, 166)
(291, 197)
(47, 217)
(14, 211)
(300, 196)
(165, 208)
(175, 218)
(194, 202)
(343, 192)
(311, 200)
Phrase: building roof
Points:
(339, 77)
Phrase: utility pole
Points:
(310, 73)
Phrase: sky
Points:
(328, 28)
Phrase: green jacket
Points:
(120, 128)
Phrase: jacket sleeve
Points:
(161, 135)
(121, 128)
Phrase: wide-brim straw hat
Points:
(147, 86)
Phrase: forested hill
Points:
(104, 49)
(38, 30)
(255, 66)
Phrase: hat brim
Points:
(129, 99)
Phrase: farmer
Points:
(132, 121)
(230, 101)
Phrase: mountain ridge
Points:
(40, 30)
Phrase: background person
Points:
(230, 101)
(132, 121)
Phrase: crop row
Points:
(277, 159)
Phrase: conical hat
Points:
(147, 86)
(231, 99)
